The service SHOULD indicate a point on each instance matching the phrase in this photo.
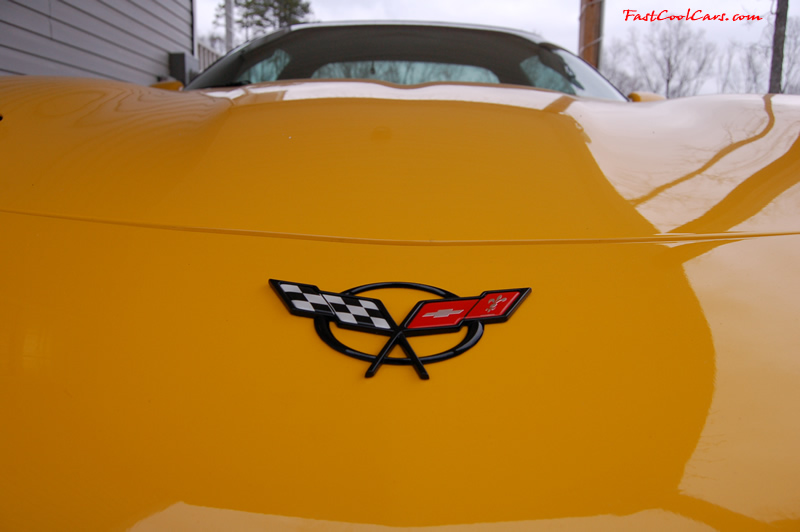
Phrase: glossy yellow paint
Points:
(169, 85)
(149, 378)
(642, 96)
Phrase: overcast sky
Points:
(556, 21)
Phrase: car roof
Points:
(353, 23)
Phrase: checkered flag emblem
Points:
(303, 298)
(358, 311)
(446, 314)
(348, 311)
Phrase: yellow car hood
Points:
(450, 163)
(150, 378)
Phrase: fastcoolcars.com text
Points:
(697, 14)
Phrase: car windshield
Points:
(407, 55)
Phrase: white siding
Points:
(127, 40)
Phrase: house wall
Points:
(127, 40)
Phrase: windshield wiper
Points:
(234, 83)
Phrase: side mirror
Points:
(641, 96)
(171, 85)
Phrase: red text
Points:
(696, 14)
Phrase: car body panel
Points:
(149, 375)
(556, 167)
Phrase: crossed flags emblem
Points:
(350, 311)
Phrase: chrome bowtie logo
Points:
(431, 316)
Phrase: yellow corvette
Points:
(397, 277)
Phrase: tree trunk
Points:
(591, 31)
(777, 47)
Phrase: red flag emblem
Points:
(493, 304)
(441, 313)
(452, 313)
(350, 310)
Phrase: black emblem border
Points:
(398, 334)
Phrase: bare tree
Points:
(742, 68)
(791, 57)
(729, 70)
(614, 65)
(754, 64)
(673, 60)
(676, 60)
(745, 66)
